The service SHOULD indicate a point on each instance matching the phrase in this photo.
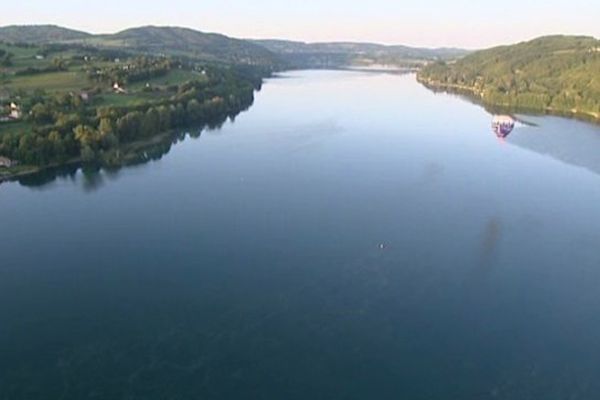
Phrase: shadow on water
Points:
(559, 136)
(563, 138)
(94, 175)
(569, 141)
(570, 138)
(491, 238)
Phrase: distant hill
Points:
(150, 39)
(190, 42)
(39, 34)
(348, 53)
(558, 74)
(220, 48)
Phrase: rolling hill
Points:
(220, 48)
(39, 34)
(184, 41)
(150, 39)
(558, 74)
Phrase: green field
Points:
(75, 78)
(66, 81)
(24, 57)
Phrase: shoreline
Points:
(128, 150)
(478, 97)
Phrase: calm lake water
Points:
(351, 236)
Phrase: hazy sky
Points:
(425, 23)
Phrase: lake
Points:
(352, 235)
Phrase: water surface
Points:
(352, 236)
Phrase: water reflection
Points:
(569, 141)
(138, 154)
(93, 174)
(503, 125)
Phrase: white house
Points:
(6, 162)
(118, 89)
(15, 111)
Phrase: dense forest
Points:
(557, 74)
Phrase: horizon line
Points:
(296, 40)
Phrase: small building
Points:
(6, 162)
(39, 57)
(118, 89)
(15, 111)
(85, 96)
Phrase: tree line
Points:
(136, 70)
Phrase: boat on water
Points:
(503, 125)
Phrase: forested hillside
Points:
(149, 40)
(559, 74)
(183, 41)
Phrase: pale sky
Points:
(431, 23)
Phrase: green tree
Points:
(86, 136)
(41, 114)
